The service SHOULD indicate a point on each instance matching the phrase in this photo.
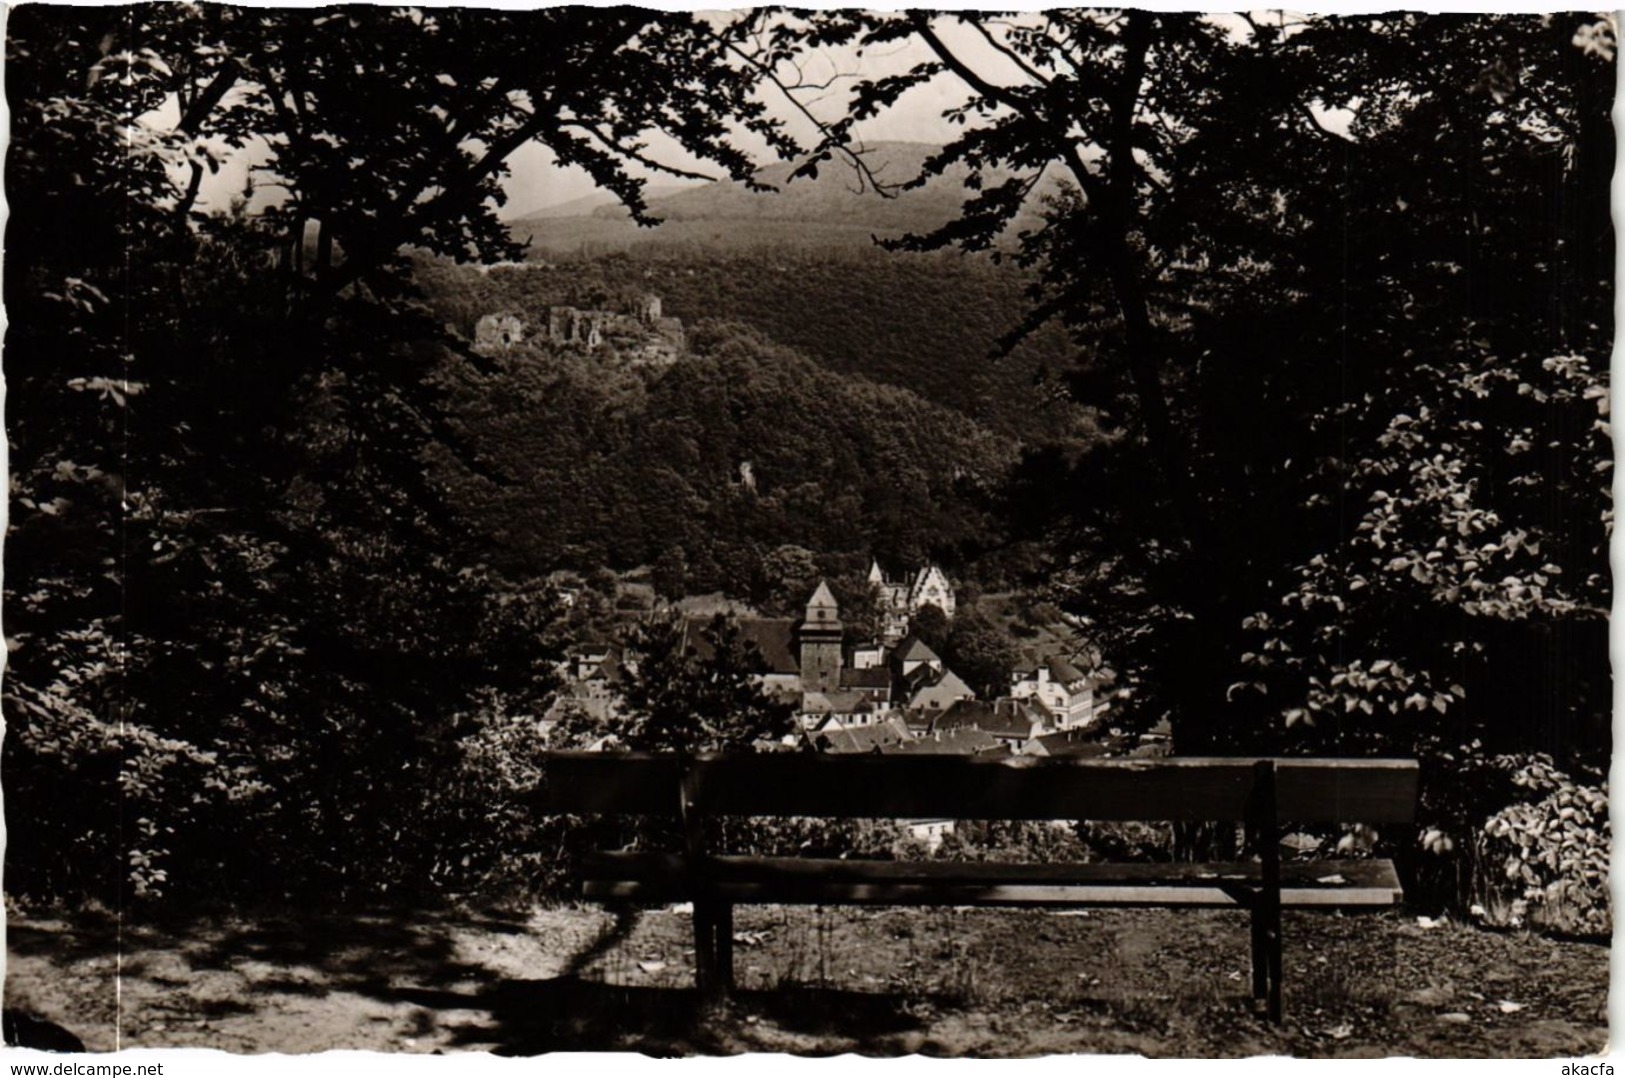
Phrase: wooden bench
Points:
(1263, 795)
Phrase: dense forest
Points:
(740, 447)
(929, 323)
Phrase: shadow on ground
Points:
(884, 983)
(570, 1014)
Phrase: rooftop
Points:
(1065, 743)
(964, 742)
(1004, 717)
(881, 736)
(913, 649)
(1065, 672)
(773, 637)
(873, 677)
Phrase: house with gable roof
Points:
(872, 738)
(965, 741)
(935, 689)
(1013, 722)
(931, 588)
(912, 653)
(873, 683)
(1066, 743)
(1066, 692)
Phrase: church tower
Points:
(821, 643)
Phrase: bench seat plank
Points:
(659, 877)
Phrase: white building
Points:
(1063, 690)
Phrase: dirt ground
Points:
(875, 981)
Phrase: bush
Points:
(1126, 840)
(1041, 841)
(1547, 859)
(866, 840)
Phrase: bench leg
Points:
(704, 949)
(713, 949)
(1265, 827)
(1266, 932)
(725, 948)
(1275, 963)
(1261, 965)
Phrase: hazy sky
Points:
(537, 182)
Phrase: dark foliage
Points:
(1345, 284)
(582, 464)
(928, 323)
(246, 657)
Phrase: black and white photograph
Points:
(907, 532)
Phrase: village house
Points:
(593, 675)
(847, 739)
(923, 683)
(595, 667)
(820, 710)
(1066, 692)
(938, 691)
(1066, 743)
(872, 683)
(868, 656)
(961, 742)
(1013, 722)
(930, 832)
(911, 654)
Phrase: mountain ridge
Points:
(836, 207)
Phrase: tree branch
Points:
(1322, 130)
(633, 154)
(183, 209)
(1004, 95)
(204, 103)
(831, 142)
(1005, 50)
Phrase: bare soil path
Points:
(879, 982)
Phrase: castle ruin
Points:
(498, 332)
(639, 334)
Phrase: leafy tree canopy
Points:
(236, 611)
(1332, 311)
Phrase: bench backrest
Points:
(966, 788)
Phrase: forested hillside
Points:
(580, 465)
(930, 324)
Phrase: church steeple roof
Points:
(822, 610)
(822, 596)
